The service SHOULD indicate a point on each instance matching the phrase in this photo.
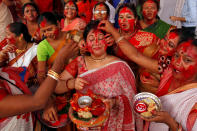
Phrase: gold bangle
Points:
(55, 78)
(53, 74)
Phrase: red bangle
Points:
(67, 83)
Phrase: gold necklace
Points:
(19, 51)
(98, 60)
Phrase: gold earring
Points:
(20, 38)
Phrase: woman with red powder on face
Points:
(149, 80)
(177, 89)
(20, 51)
(145, 42)
(72, 20)
(150, 22)
(47, 52)
(31, 14)
(106, 76)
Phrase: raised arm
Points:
(128, 49)
(13, 105)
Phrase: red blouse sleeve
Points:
(72, 67)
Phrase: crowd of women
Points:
(45, 56)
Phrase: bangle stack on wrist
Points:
(53, 74)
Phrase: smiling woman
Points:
(106, 76)
(49, 47)
(72, 20)
(151, 22)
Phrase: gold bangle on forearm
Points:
(53, 74)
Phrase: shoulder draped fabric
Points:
(77, 24)
(52, 58)
(159, 28)
(178, 103)
(114, 80)
(18, 77)
(25, 59)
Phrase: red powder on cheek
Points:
(65, 12)
(89, 46)
(11, 40)
(56, 33)
(189, 72)
(43, 23)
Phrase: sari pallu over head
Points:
(114, 80)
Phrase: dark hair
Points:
(185, 36)
(155, 1)
(93, 24)
(19, 28)
(130, 6)
(77, 10)
(50, 18)
(194, 42)
(31, 4)
(106, 6)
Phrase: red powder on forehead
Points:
(70, 3)
(43, 23)
(150, 1)
(126, 10)
(28, 6)
(185, 45)
(173, 35)
(101, 5)
(90, 44)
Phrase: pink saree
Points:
(114, 80)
